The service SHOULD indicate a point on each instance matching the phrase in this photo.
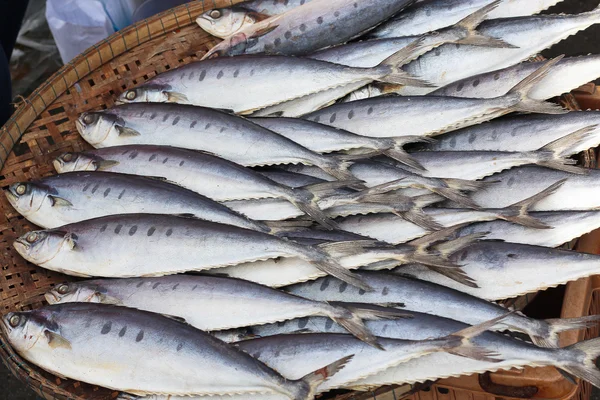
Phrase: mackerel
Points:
(568, 74)
(529, 35)
(216, 82)
(76, 196)
(522, 133)
(210, 303)
(227, 136)
(505, 270)
(145, 245)
(430, 298)
(95, 343)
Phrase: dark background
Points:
(583, 43)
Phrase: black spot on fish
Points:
(152, 157)
(343, 287)
(139, 336)
(320, 20)
(337, 13)
(133, 155)
(223, 129)
(202, 76)
(236, 73)
(370, 111)
(428, 13)
(460, 87)
(176, 120)
(139, 284)
(86, 187)
(122, 193)
(106, 328)
(453, 142)
(510, 182)
(472, 137)
(88, 323)
(165, 160)
(385, 291)
(191, 75)
(277, 42)
(496, 77)
(351, 114)
(288, 35)
(302, 2)
(317, 118)
(464, 255)
(151, 231)
(175, 287)
(118, 229)
(132, 230)
(103, 228)
(106, 192)
(355, 5)
(169, 232)
(207, 125)
(329, 324)
(332, 118)
(166, 117)
(302, 27)
(220, 74)
(194, 288)
(361, 292)
(437, 52)
(157, 284)
(183, 75)
(457, 45)
(252, 72)
(152, 116)
(325, 284)
(476, 83)
(122, 331)
(179, 346)
(513, 256)
(302, 322)
(95, 188)
(181, 163)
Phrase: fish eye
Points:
(63, 289)
(32, 237)
(67, 157)
(14, 320)
(130, 95)
(215, 14)
(21, 189)
(90, 118)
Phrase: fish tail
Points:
(396, 150)
(523, 89)
(468, 27)
(547, 333)
(417, 216)
(459, 343)
(336, 166)
(518, 213)
(306, 202)
(326, 189)
(555, 154)
(306, 387)
(586, 369)
(393, 72)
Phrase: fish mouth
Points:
(12, 198)
(51, 298)
(79, 125)
(21, 246)
(58, 165)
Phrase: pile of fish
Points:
(333, 198)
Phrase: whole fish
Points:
(325, 139)
(217, 82)
(142, 245)
(505, 270)
(529, 35)
(227, 136)
(512, 352)
(211, 303)
(310, 27)
(570, 73)
(76, 196)
(522, 133)
(211, 176)
(392, 116)
(95, 343)
(432, 15)
(430, 298)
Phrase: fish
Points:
(325, 139)
(433, 15)
(211, 176)
(212, 303)
(512, 352)
(393, 116)
(216, 132)
(206, 83)
(77, 196)
(310, 27)
(505, 270)
(521, 133)
(390, 229)
(71, 341)
(568, 74)
(146, 245)
(426, 297)
(529, 35)
(285, 352)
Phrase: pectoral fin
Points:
(60, 202)
(56, 341)
(123, 131)
(104, 165)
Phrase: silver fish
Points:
(432, 15)
(71, 341)
(166, 245)
(529, 35)
(512, 352)
(305, 29)
(570, 73)
(76, 196)
(211, 176)
(392, 116)
(505, 270)
(522, 133)
(430, 298)
(227, 136)
(216, 82)
(211, 303)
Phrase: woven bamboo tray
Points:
(43, 127)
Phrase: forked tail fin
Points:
(306, 387)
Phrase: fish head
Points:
(70, 162)
(74, 292)
(27, 329)
(146, 94)
(96, 127)
(28, 198)
(39, 247)
(224, 22)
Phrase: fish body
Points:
(116, 347)
(76, 196)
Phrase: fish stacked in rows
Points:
(344, 176)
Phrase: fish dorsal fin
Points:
(59, 201)
(56, 341)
